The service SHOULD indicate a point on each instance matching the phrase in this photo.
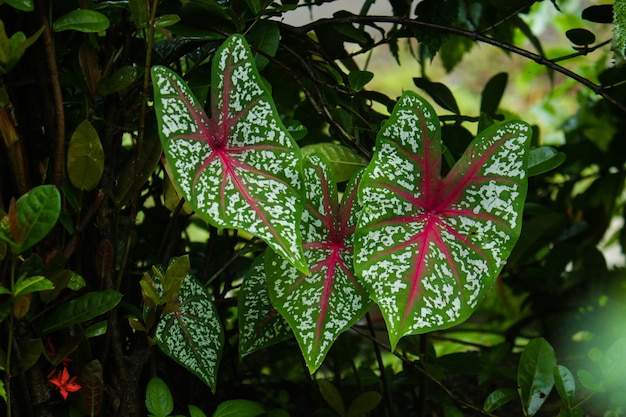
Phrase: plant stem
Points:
(381, 366)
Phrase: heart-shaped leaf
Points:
(260, 324)
(240, 168)
(427, 247)
(192, 335)
(320, 306)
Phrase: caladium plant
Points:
(239, 168)
(428, 247)
(320, 306)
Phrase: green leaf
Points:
(37, 212)
(81, 309)
(344, 161)
(320, 306)
(565, 384)
(265, 36)
(544, 159)
(332, 396)
(139, 13)
(175, 274)
(358, 79)
(492, 93)
(32, 284)
(439, 92)
(238, 408)
(427, 248)
(498, 398)
(616, 360)
(159, 400)
(82, 20)
(85, 157)
(535, 374)
(195, 411)
(240, 169)
(260, 324)
(23, 5)
(166, 21)
(122, 78)
(193, 335)
(364, 403)
(589, 381)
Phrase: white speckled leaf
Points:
(320, 306)
(427, 248)
(240, 168)
(260, 324)
(192, 336)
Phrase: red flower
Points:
(64, 383)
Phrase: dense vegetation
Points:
(168, 166)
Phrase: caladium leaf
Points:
(193, 335)
(260, 324)
(320, 306)
(240, 168)
(427, 247)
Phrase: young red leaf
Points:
(240, 168)
(428, 247)
(320, 306)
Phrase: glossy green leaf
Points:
(439, 92)
(85, 157)
(166, 20)
(24, 5)
(240, 168)
(332, 396)
(320, 306)
(535, 374)
(265, 36)
(36, 214)
(139, 13)
(358, 79)
(492, 93)
(159, 400)
(238, 408)
(364, 403)
(544, 159)
(565, 384)
(32, 284)
(82, 20)
(427, 248)
(344, 161)
(79, 310)
(260, 324)
(193, 335)
(498, 398)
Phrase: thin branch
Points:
(475, 36)
(58, 157)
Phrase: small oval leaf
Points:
(565, 384)
(82, 20)
(159, 400)
(581, 37)
(358, 79)
(439, 92)
(85, 157)
(492, 93)
(498, 398)
(544, 159)
(238, 408)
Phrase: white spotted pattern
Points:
(240, 169)
(426, 248)
(319, 307)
